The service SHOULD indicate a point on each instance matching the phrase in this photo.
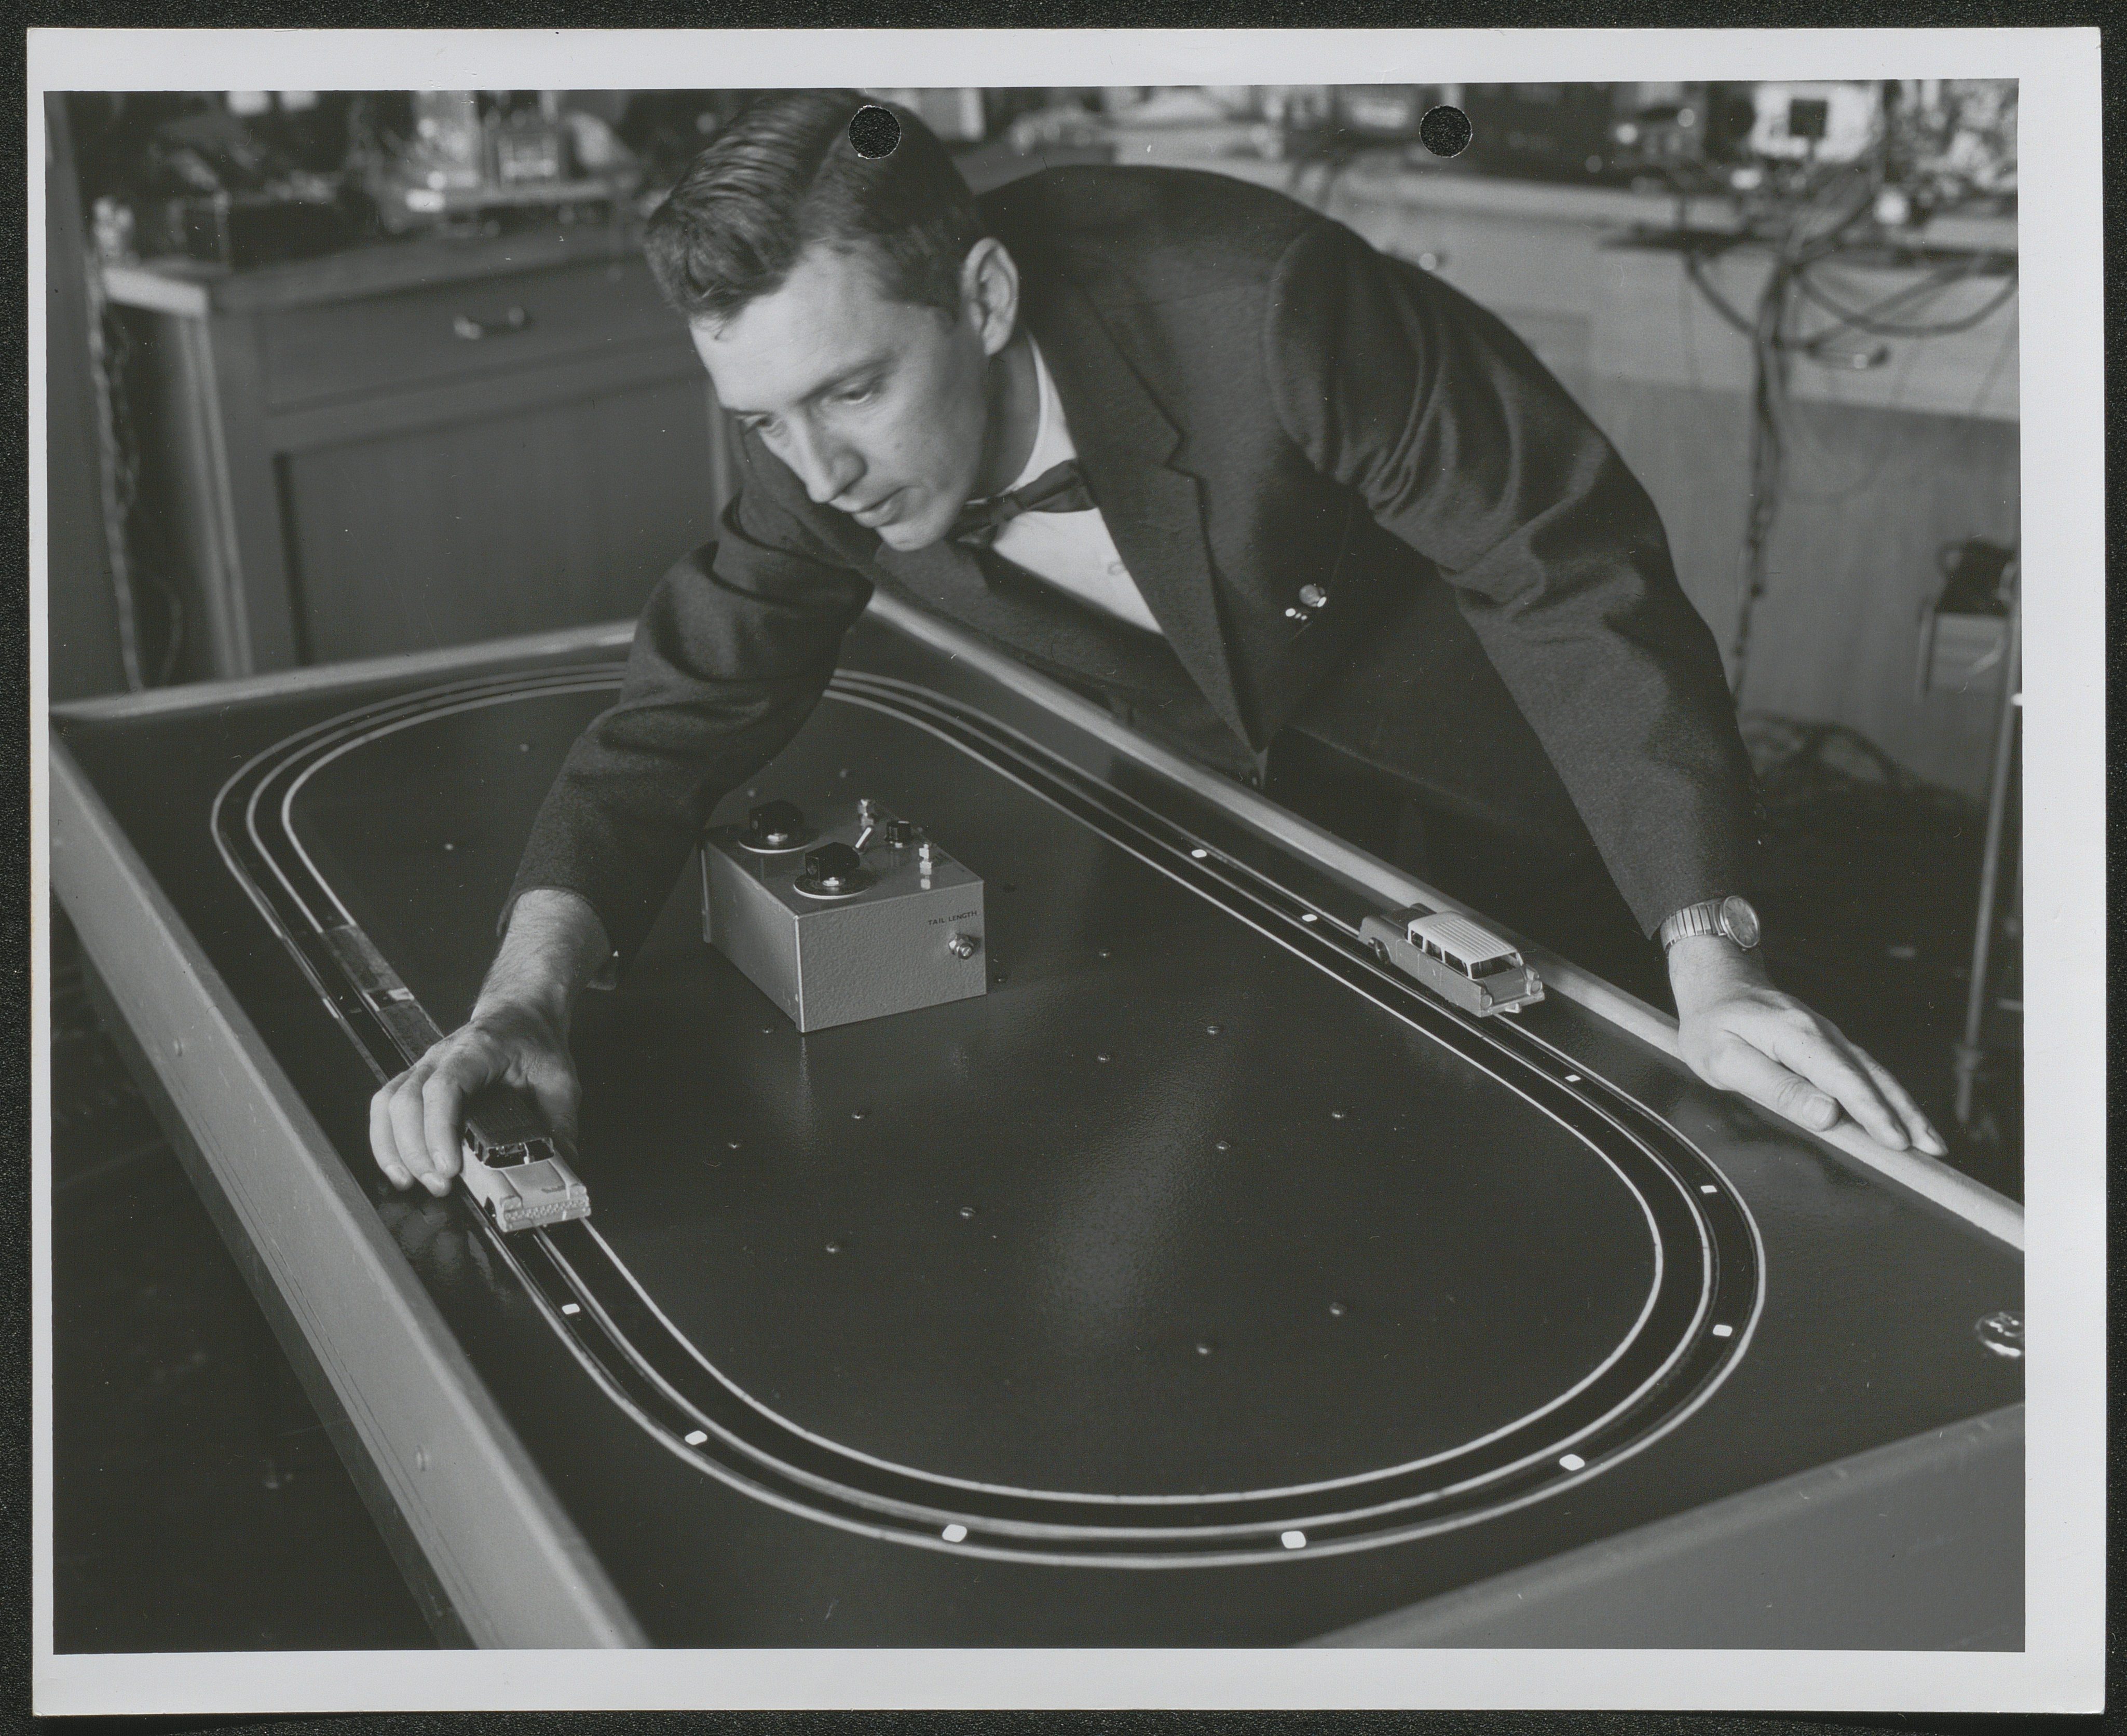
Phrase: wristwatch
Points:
(1731, 916)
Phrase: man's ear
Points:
(989, 293)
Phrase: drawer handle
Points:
(473, 330)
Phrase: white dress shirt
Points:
(1072, 550)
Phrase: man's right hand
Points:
(417, 1121)
(517, 1035)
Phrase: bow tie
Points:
(1060, 489)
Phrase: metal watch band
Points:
(1693, 919)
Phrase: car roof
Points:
(1460, 936)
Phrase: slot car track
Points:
(1696, 1323)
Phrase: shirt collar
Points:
(1052, 434)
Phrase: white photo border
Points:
(2062, 553)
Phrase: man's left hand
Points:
(1736, 1031)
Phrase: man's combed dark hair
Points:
(783, 178)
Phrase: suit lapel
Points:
(1127, 447)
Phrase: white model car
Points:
(1456, 957)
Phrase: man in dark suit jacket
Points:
(1315, 507)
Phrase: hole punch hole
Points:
(874, 133)
(1445, 131)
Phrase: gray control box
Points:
(861, 917)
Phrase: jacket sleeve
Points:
(732, 652)
(1461, 443)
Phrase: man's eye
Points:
(856, 394)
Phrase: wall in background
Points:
(1884, 467)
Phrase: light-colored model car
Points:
(1456, 957)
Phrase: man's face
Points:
(878, 406)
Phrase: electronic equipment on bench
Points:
(858, 917)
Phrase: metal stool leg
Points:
(1970, 1051)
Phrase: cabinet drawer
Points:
(540, 519)
(420, 337)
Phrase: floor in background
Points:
(198, 1504)
(201, 1505)
(1870, 895)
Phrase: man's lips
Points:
(879, 512)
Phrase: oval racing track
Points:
(1695, 1325)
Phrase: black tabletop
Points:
(1199, 1282)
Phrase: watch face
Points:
(1740, 922)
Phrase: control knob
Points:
(833, 871)
(777, 826)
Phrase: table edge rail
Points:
(1931, 1178)
(515, 1569)
(1851, 1548)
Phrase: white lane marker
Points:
(1723, 1331)
(695, 1437)
(1293, 1539)
(570, 1308)
(1572, 1461)
(954, 1534)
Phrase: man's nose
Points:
(828, 468)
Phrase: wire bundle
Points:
(1808, 235)
(110, 350)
